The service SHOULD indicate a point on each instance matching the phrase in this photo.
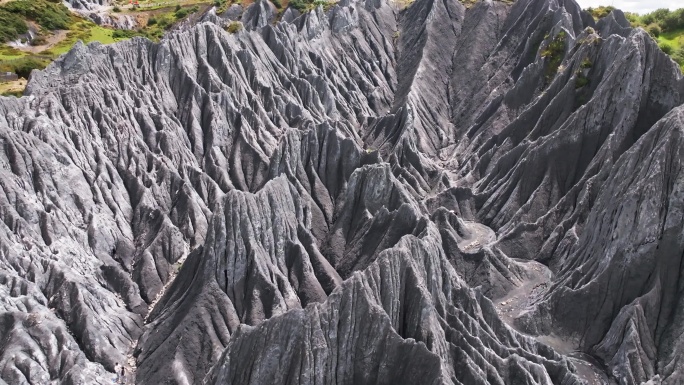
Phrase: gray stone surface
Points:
(100, 12)
(360, 194)
(87, 4)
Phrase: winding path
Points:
(518, 301)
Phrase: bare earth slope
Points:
(366, 195)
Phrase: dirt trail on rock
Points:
(478, 236)
(51, 39)
(523, 296)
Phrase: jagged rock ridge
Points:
(100, 12)
(364, 194)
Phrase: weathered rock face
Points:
(105, 18)
(100, 12)
(87, 4)
(367, 194)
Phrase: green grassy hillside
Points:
(48, 14)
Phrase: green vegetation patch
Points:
(221, 6)
(234, 27)
(581, 80)
(50, 15)
(82, 30)
(600, 12)
(8, 53)
(14, 88)
(11, 26)
(15, 93)
(668, 21)
(181, 13)
(554, 53)
(23, 66)
(309, 5)
(160, 22)
(672, 43)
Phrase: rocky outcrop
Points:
(357, 194)
(107, 19)
(87, 4)
(100, 12)
(409, 311)
(631, 293)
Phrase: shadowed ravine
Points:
(367, 194)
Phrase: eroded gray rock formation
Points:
(364, 194)
(87, 4)
(100, 12)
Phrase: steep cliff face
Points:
(364, 194)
